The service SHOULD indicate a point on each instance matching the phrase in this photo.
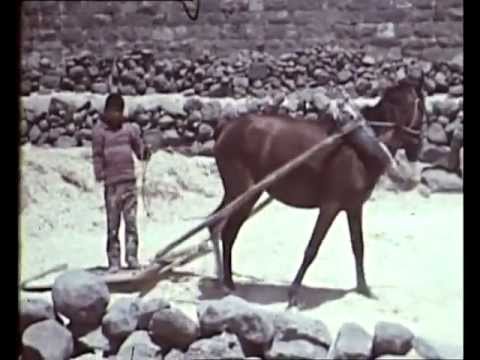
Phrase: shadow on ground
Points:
(250, 290)
(266, 294)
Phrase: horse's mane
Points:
(282, 116)
(394, 94)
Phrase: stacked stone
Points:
(243, 73)
(226, 328)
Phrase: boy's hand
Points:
(147, 153)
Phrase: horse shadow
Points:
(255, 292)
(267, 294)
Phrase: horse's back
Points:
(253, 132)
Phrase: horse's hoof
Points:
(228, 287)
(219, 275)
(293, 306)
(292, 298)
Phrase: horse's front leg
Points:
(323, 223)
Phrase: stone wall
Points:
(252, 50)
(228, 328)
(432, 29)
(255, 77)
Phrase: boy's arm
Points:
(137, 143)
(97, 152)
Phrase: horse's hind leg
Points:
(236, 180)
(354, 216)
(215, 231)
(229, 234)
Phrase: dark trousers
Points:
(121, 199)
(368, 147)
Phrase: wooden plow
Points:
(167, 260)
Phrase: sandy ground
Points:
(413, 245)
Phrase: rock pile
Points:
(188, 123)
(242, 73)
(258, 78)
(226, 328)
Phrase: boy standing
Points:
(113, 141)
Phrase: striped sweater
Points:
(112, 152)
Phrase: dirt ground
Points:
(413, 245)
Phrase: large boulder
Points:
(206, 148)
(65, 142)
(47, 340)
(425, 349)
(94, 340)
(192, 104)
(344, 76)
(447, 107)
(34, 134)
(171, 328)
(439, 180)
(205, 132)
(171, 137)
(175, 354)
(434, 154)
(100, 87)
(120, 321)
(352, 342)
(77, 72)
(441, 82)
(253, 326)
(404, 175)
(391, 339)
(211, 111)
(81, 297)
(295, 349)
(194, 117)
(436, 134)
(221, 346)
(258, 71)
(34, 310)
(456, 90)
(139, 346)
(153, 138)
(298, 327)
(456, 63)
(146, 310)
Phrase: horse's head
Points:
(398, 117)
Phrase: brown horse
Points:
(340, 177)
